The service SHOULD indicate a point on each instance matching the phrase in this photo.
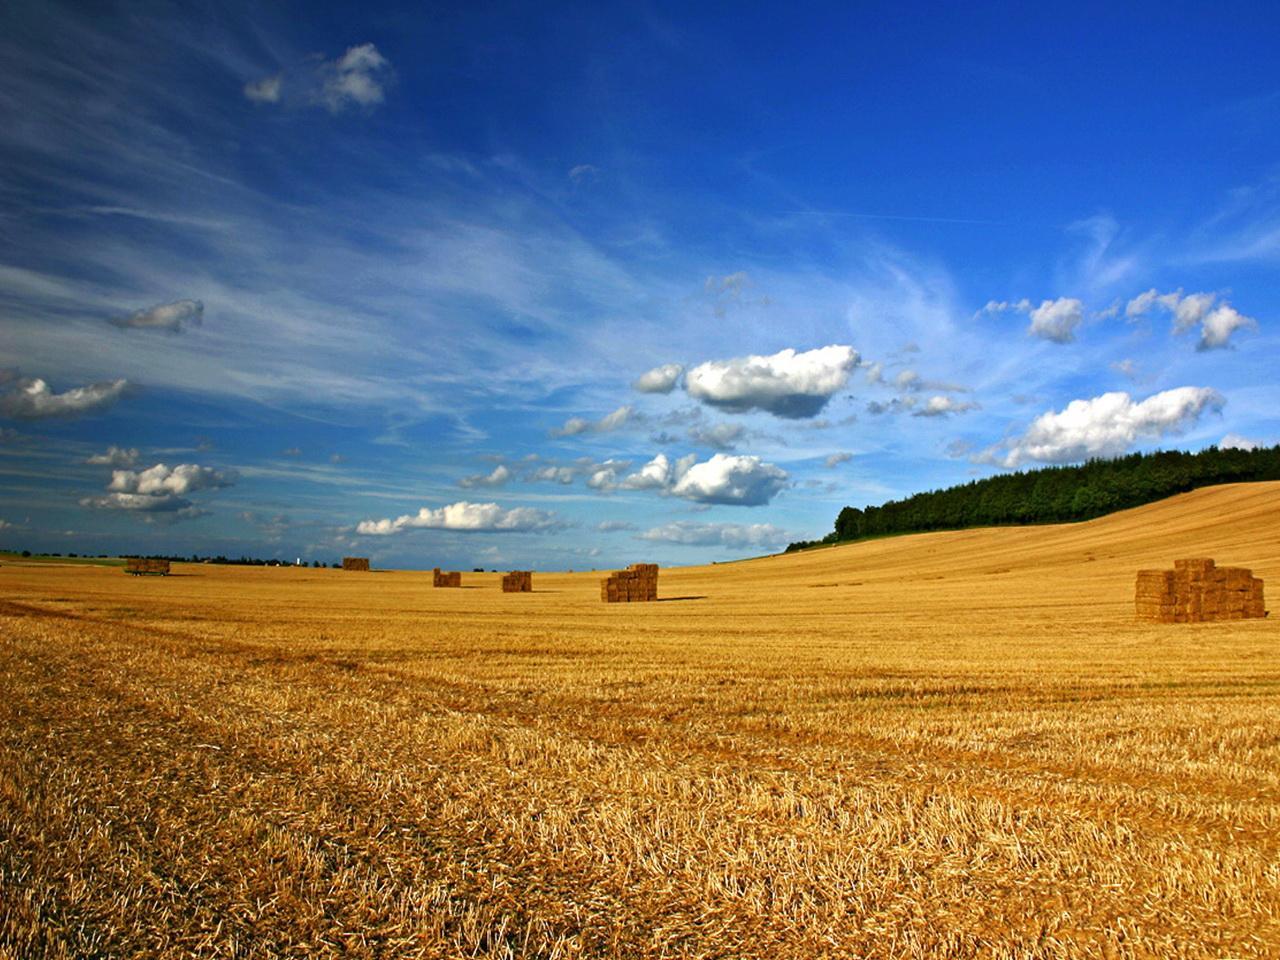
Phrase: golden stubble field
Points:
(951, 745)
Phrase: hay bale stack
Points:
(137, 566)
(438, 579)
(355, 563)
(1196, 590)
(518, 581)
(637, 583)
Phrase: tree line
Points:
(1055, 494)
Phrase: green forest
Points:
(1054, 494)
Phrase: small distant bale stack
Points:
(439, 579)
(355, 563)
(639, 582)
(137, 566)
(1196, 590)
(518, 581)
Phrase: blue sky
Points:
(573, 286)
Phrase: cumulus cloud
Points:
(660, 379)
(1233, 441)
(942, 406)
(500, 475)
(737, 480)
(786, 384)
(744, 481)
(465, 517)
(554, 474)
(1216, 329)
(935, 406)
(266, 90)
(614, 526)
(721, 436)
(835, 459)
(1104, 426)
(174, 317)
(358, 77)
(33, 399)
(115, 457)
(159, 489)
(1054, 320)
(575, 426)
(1216, 323)
(735, 535)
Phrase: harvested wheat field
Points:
(958, 744)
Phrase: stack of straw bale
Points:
(439, 579)
(355, 563)
(636, 583)
(1196, 590)
(518, 581)
(141, 565)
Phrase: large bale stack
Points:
(1196, 590)
(355, 563)
(137, 566)
(518, 581)
(438, 579)
(639, 582)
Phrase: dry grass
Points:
(950, 745)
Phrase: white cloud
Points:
(759, 535)
(660, 379)
(1233, 441)
(33, 399)
(658, 474)
(173, 317)
(576, 426)
(554, 474)
(737, 480)
(357, 77)
(1217, 327)
(159, 489)
(584, 173)
(266, 90)
(1056, 320)
(613, 526)
(786, 384)
(941, 406)
(835, 459)
(744, 481)
(500, 475)
(1217, 324)
(721, 436)
(465, 517)
(115, 457)
(1105, 426)
(161, 479)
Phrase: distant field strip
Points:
(957, 744)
